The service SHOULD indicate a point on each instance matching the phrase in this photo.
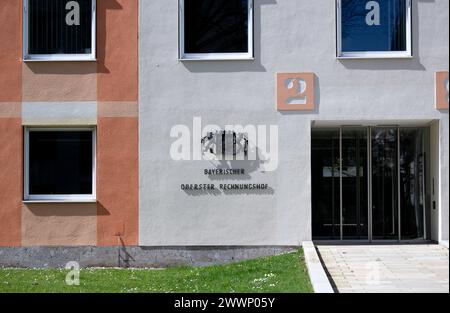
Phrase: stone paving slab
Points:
(387, 268)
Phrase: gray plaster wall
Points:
(290, 36)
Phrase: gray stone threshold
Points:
(132, 256)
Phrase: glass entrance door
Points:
(369, 183)
(384, 183)
(325, 184)
(354, 183)
(412, 183)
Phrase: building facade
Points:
(217, 124)
(100, 95)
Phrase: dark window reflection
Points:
(48, 32)
(216, 26)
(387, 35)
(60, 162)
(325, 184)
(354, 183)
(385, 183)
(412, 182)
(398, 176)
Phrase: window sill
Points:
(60, 201)
(58, 60)
(214, 59)
(244, 56)
(371, 57)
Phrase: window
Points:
(374, 29)
(59, 30)
(59, 164)
(216, 29)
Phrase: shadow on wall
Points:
(123, 256)
(80, 68)
(59, 224)
(261, 192)
(64, 209)
(101, 210)
(102, 31)
(394, 64)
(244, 192)
(62, 68)
(236, 66)
(249, 166)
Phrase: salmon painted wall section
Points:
(68, 224)
(117, 181)
(117, 125)
(58, 93)
(111, 85)
(10, 180)
(117, 50)
(10, 51)
(442, 90)
(10, 122)
(59, 81)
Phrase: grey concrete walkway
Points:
(386, 268)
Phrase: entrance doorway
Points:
(369, 183)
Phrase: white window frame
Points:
(58, 198)
(27, 57)
(373, 54)
(249, 55)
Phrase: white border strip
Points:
(317, 275)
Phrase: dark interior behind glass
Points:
(216, 26)
(325, 170)
(395, 183)
(60, 162)
(49, 33)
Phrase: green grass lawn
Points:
(283, 273)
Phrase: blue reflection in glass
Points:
(388, 33)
